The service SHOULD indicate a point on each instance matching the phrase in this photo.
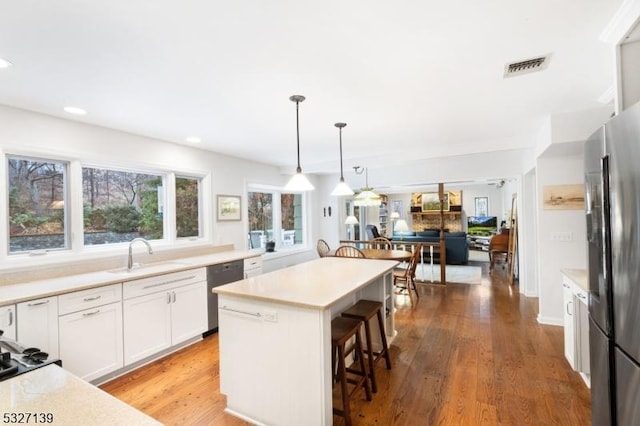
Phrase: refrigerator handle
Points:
(606, 223)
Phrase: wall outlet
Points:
(562, 236)
(270, 316)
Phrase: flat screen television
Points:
(482, 225)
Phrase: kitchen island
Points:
(275, 336)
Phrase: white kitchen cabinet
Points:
(163, 311)
(576, 322)
(569, 327)
(581, 330)
(252, 267)
(38, 325)
(91, 341)
(8, 321)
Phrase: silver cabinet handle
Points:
(44, 302)
(10, 317)
(88, 314)
(168, 298)
(89, 299)
(174, 296)
(253, 314)
(569, 303)
(582, 296)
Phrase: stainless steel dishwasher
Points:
(219, 274)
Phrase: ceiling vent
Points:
(526, 66)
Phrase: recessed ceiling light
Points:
(193, 139)
(75, 110)
(4, 63)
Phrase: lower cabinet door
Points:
(188, 312)
(38, 325)
(91, 341)
(147, 325)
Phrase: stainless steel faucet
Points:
(130, 260)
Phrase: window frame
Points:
(67, 223)
(74, 226)
(277, 231)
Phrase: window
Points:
(276, 217)
(37, 210)
(120, 206)
(187, 212)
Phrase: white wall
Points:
(23, 132)
(552, 256)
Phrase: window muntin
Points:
(119, 206)
(37, 208)
(187, 207)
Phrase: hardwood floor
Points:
(464, 354)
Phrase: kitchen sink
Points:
(150, 268)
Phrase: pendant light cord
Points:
(299, 169)
(341, 172)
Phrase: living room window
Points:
(275, 217)
(37, 209)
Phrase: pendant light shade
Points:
(342, 188)
(367, 197)
(298, 182)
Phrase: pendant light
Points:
(342, 188)
(367, 197)
(298, 182)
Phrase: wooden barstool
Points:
(363, 311)
(342, 330)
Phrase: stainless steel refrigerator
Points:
(612, 189)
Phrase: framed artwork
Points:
(563, 197)
(431, 202)
(229, 208)
(396, 206)
(482, 206)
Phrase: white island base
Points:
(275, 336)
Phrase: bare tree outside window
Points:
(120, 206)
(187, 216)
(37, 211)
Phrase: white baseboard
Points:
(551, 321)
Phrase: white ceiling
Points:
(413, 78)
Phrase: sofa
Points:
(456, 243)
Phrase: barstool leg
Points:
(383, 337)
(363, 368)
(342, 371)
(370, 357)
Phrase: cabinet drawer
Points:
(253, 263)
(580, 294)
(163, 282)
(86, 299)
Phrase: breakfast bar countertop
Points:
(316, 284)
(51, 395)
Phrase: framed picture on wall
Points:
(431, 202)
(229, 208)
(482, 206)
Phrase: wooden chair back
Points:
(380, 243)
(349, 251)
(322, 247)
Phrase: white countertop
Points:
(314, 284)
(15, 293)
(578, 276)
(70, 400)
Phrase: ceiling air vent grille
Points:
(527, 66)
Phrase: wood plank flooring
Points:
(464, 355)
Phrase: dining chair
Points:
(408, 274)
(380, 243)
(322, 247)
(349, 251)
